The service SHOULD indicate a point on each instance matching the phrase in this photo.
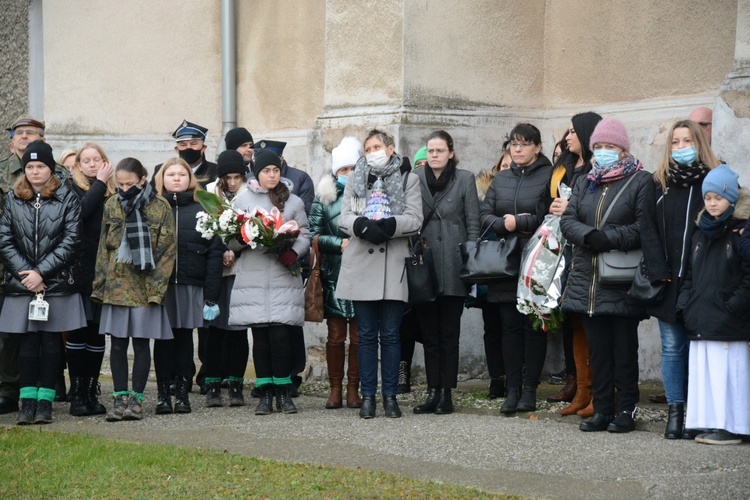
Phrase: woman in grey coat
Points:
(380, 212)
(451, 216)
(266, 296)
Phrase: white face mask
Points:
(378, 159)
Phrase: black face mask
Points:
(130, 193)
(190, 155)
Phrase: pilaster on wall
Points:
(14, 61)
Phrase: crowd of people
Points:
(90, 250)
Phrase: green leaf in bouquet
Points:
(210, 202)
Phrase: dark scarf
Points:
(135, 247)
(712, 227)
(686, 175)
(620, 170)
(437, 185)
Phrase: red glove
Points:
(288, 258)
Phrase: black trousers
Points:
(297, 351)
(234, 344)
(271, 351)
(493, 340)
(522, 347)
(567, 339)
(174, 357)
(409, 334)
(613, 356)
(440, 322)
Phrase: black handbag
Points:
(421, 277)
(643, 290)
(617, 267)
(487, 261)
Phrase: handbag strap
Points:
(617, 196)
(315, 253)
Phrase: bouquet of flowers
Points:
(542, 266)
(258, 227)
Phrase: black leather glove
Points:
(369, 230)
(388, 226)
(598, 241)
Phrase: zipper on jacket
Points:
(37, 206)
(518, 188)
(597, 221)
(684, 233)
(176, 235)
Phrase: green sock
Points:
(282, 381)
(261, 381)
(29, 393)
(237, 379)
(138, 396)
(120, 393)
(212, 379)
(46, 394)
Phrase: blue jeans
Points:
(379, 321)
(674, 360)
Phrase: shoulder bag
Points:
(617, 267)
(314, 308)
(643, 290)
(487, 261)
(419, 267)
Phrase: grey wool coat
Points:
(455, 219)
(376, 272)
(264, 291)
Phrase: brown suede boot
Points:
(567, 393)
(352, 373)
(582, 398)
(335, 359)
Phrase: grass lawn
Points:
(38, 463)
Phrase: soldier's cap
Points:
(187, 131)
(275, 146)
(25, 120)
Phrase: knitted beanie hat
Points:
(230, 162)
(421, 155)
(612, 131)
(346, 154)
(39, 151)
(723, 181)
(237, 137)
(264, 158)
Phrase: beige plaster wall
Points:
(136, 67)
(280, 63)
(364, 53)
(604, 52)
(482, 52)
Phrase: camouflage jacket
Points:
(10, 171)
(120, 284)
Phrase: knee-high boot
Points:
(583, 398)
(352, 373)
(335, 355)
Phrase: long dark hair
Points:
(279, 195)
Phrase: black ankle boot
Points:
(445, 404)
(390, 405)
(79, 406)
(497, 388)
(511, 401)
(94, 390)
(235, 393)
(265, 405)
(284, 399)
(164, 399)
(213, 396)
(528, 399)
(27, 412)
(43, 412)
(429, 405)
(675, 422)
(404, 378)
(598, 423)
(181, 398)
(368, 407)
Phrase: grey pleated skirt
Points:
(66, 313)
(184, 305)
(222, 321)
(150, 322)
(93, 309)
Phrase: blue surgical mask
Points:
(341, 181)
(605, 158)
(684, 156)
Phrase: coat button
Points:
(370, 250)
(382, 250)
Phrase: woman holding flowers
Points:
(268, 293)
(193, 287)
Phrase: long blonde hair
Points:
(81, 180)
(703, 152)
(193, 186)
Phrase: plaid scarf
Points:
(136, 241)
(620, 170)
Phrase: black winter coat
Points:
(518, 190)
(92, 210)
(715, 294)
(198, 261)
(583, 293)
(669, 225)
(42, 235)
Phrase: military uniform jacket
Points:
(119, 284)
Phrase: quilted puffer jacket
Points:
(41, 234)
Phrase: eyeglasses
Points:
(28, 132)
(521, 144)
(704, 124)
(436, 151)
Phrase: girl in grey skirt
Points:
(133, 265)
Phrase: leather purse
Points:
(488, 261)
(421, 277)
(314, 308)
(643, 290)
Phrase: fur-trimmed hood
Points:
(484, 179)
(741, 208)
(327, 190)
